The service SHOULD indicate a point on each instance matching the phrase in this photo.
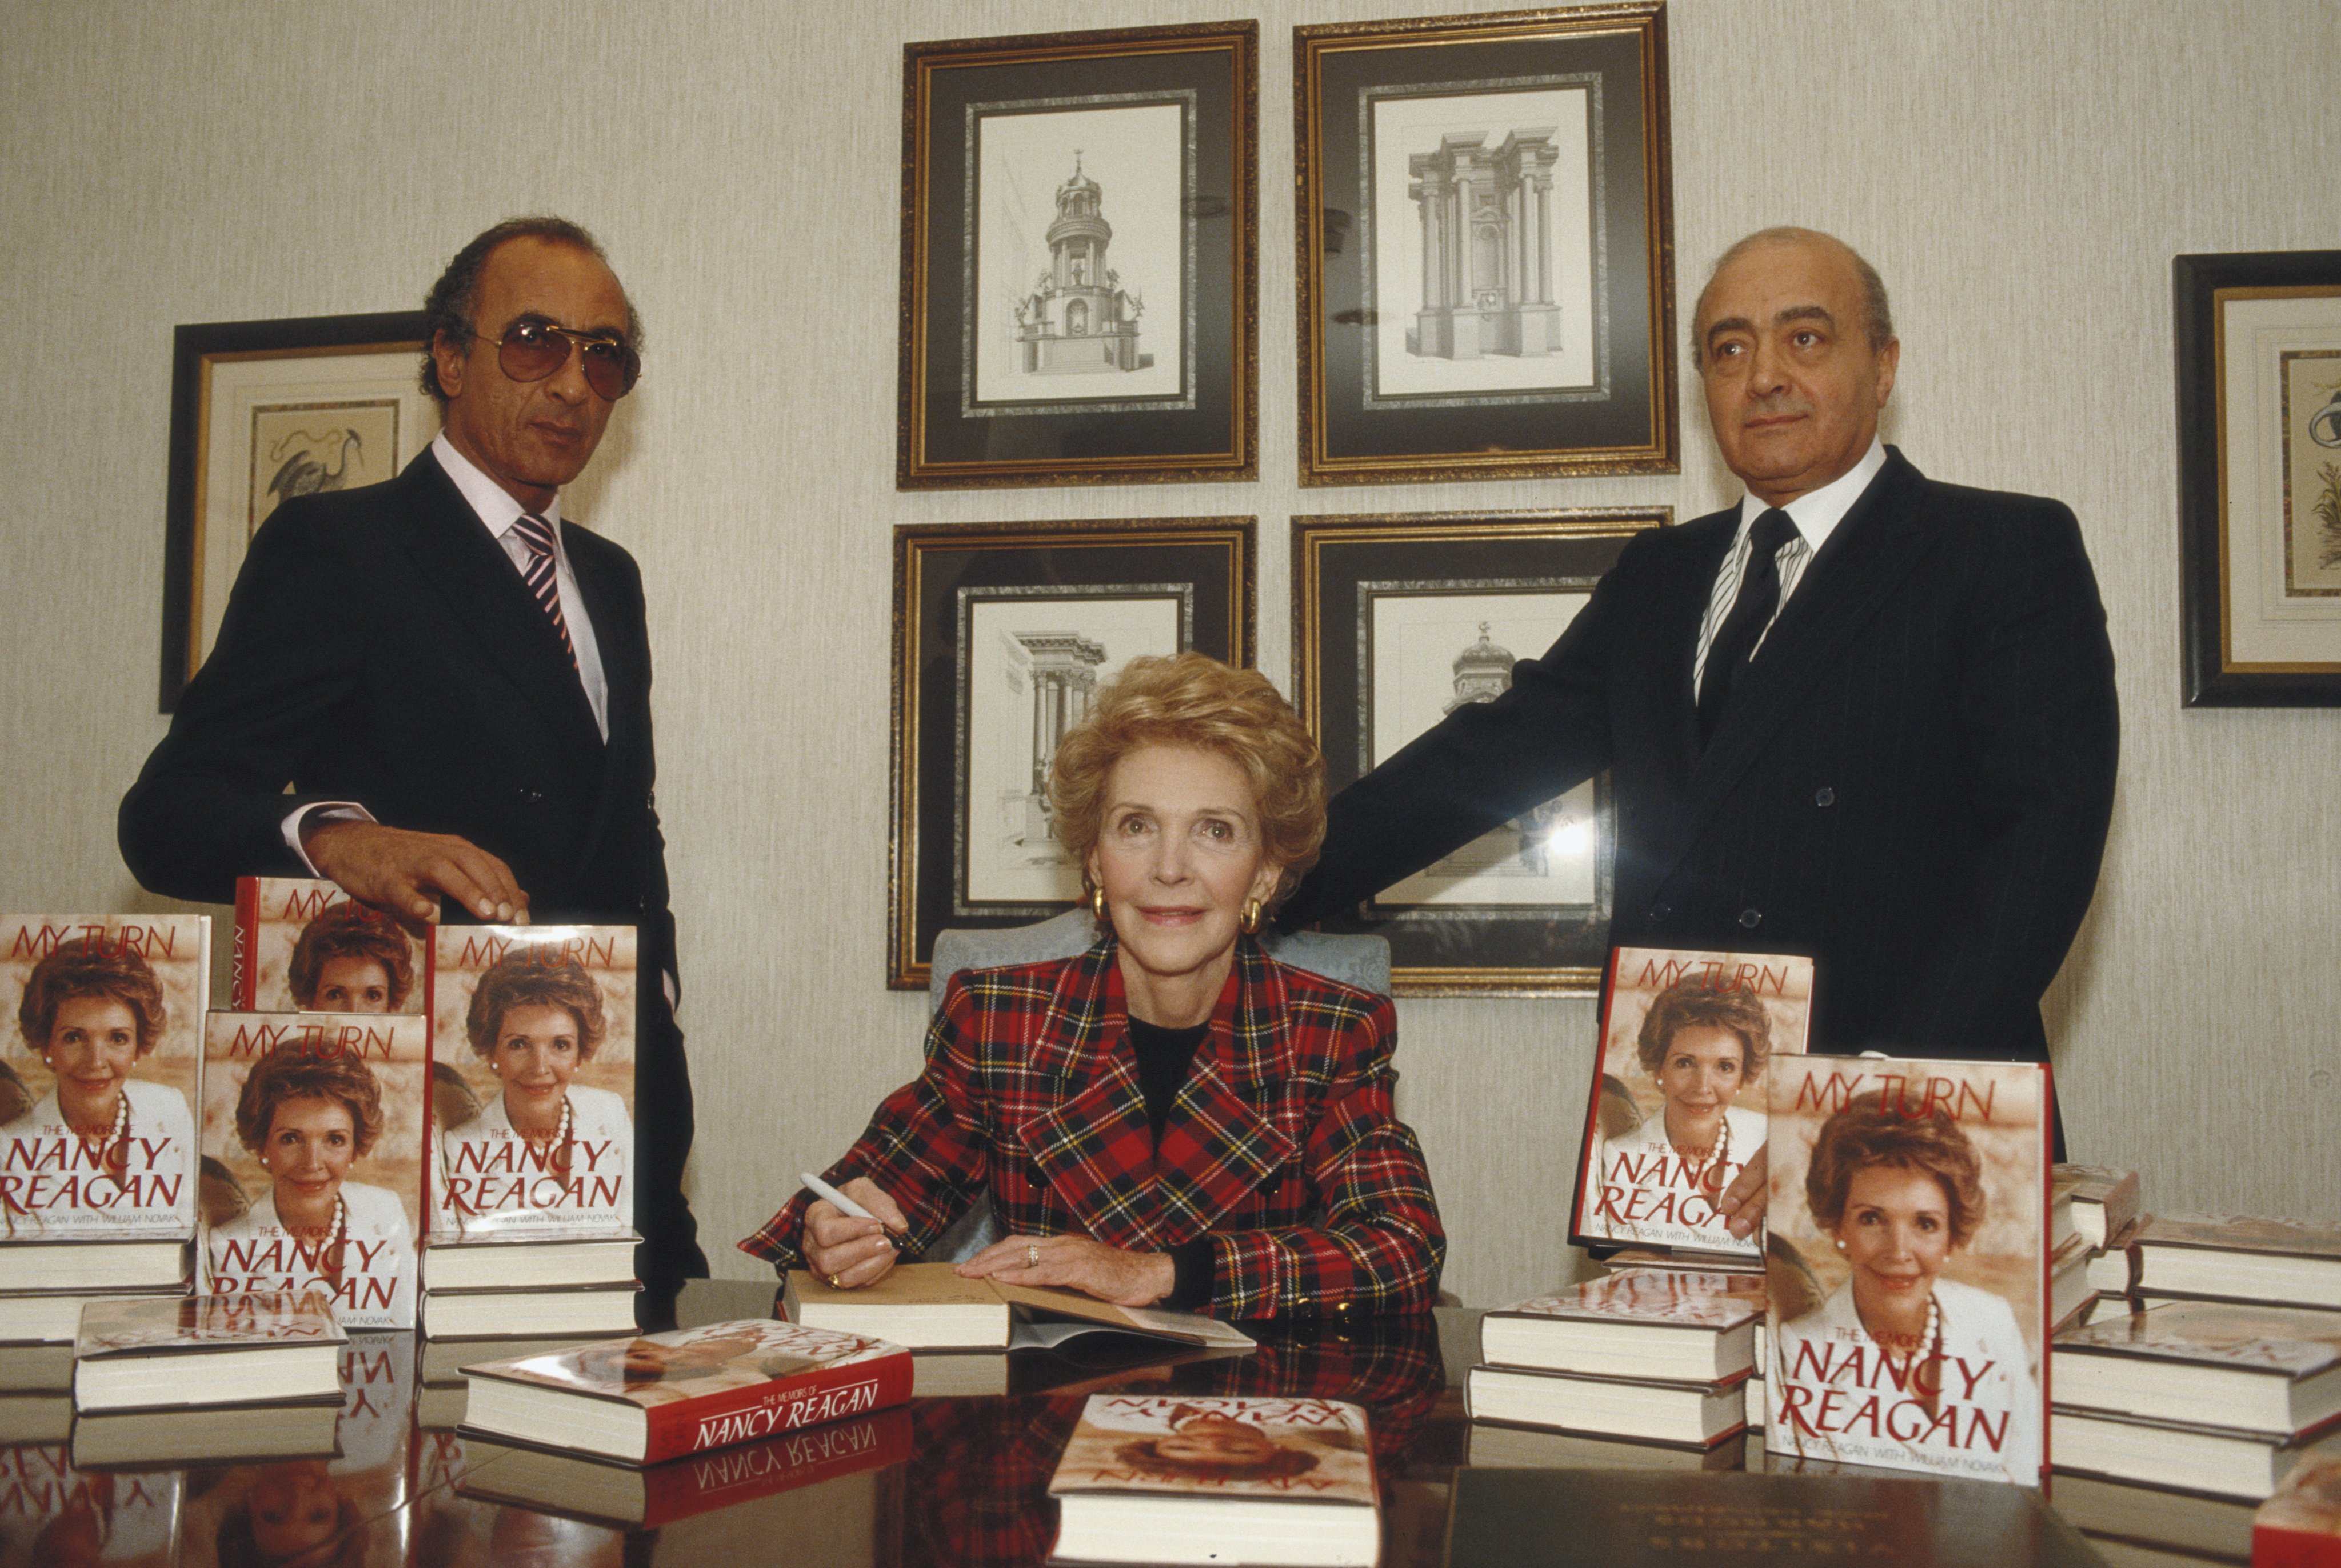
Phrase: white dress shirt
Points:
(497, 511)
(1816, 514)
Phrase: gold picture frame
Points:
(1001, 630)
(1486, 247)
(1080, 259)
(261, 412)
(1398, 618)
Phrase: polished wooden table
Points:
(959, 1480)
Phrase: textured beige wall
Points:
(2022, 172)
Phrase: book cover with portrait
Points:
(51, 1512)
(344, 1510)
(532, 1081)
(312, 1158)
(98, 1082)
(1908, 1264)
(1676, 1109)
(1314, 1450)
(303, 946)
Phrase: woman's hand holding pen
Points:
(850, 1251)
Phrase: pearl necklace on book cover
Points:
(1719, 1157)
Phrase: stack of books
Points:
(99, 1178)
(1647, 1356)
(245, 1377)
(530, 1140)
(2217, 1398)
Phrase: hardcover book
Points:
(1208, 1480)
(1630, 1519)
(660, 1396)
(654, 1497)
(312, 1154)
(1909, 1265)
(2104, 1199)
(1668, 1323)
(2269, 1369)
(2300, 1526)
(98, 1084)
(1694, 1414)
(303, 946)
(2235, 1257)
(207, 1350)
(927, 1306)
(532, 1080)
(1676, 1109)
(52, 1513)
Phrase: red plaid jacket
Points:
(1282, 1146)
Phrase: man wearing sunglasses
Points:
(454, 683)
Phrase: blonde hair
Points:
(1193, 700)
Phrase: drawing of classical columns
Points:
(1063, 672)
(1487, 246)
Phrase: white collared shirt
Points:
(497, 511)
(1816, 514)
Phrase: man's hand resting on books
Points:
(1076, 1263)
(1742, 1203)
(406, 872)
(848, 1252)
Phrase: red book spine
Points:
(767, 1410)
(2274, 1548)
(243, 980)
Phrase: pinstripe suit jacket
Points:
(1282, 1146)
(1911, 784)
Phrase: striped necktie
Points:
(542, 580)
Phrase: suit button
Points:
(1751, 918)
(1661, 911)
(530, 797)
(1823, 796)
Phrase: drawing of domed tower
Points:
(1077, 318)
(1483, 672)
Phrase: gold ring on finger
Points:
(836, 1283)
(1032, 1255)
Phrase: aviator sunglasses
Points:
(531, 350)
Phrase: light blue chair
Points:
(1360, 961)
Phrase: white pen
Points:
(839, 1201)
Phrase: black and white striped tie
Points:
(543, 580)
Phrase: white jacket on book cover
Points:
(494, 1157)
(159, 1137)
(378, 1258)
(1985, 1374)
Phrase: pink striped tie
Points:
(543, 580)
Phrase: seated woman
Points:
(92, 1013)
(1701, 1046)
(307, 1118)
(555, 1148)
(1171, 1118)
(1898, 1194)
(351, 960)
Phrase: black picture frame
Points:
(380, 352)
(993, 624)
(1514, 315)
(2259, 630)
(1369, 589)
(988, 398)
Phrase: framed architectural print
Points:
(2259, 477)
(1002, 632)
(262, 412)
(1397, 620)
(1080, 258)
(1486, 246)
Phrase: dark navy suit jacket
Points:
(1912, 782)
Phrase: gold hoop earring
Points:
(1097, 901)
(1249, 921)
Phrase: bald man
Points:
(1860, 715)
